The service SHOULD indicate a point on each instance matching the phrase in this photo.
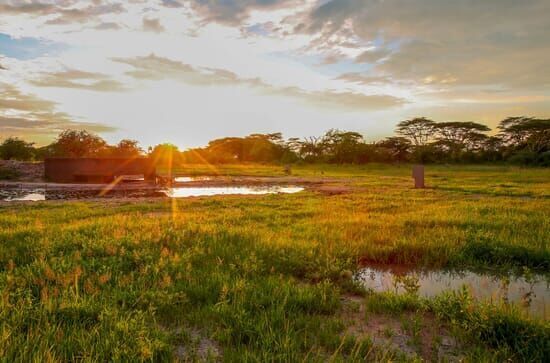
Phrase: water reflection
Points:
(16, 194)
(532, 293)
(188, 179)
(209, 191)
(33, 195)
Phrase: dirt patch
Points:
(333, 189)
(24, 171)
(191, 345)
(417, 335)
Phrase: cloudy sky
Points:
(187, 71)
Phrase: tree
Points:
(459, 136)
(77, 144)
(127, 148)
(527, 133)
(399, 147)
(14, 148)
(311, 149)
(341, 146)
(418, 130)
(166, 155)
(229, 149)
(263, 147)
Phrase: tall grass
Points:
(262, 276)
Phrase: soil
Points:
(192, 345)
(429, 340)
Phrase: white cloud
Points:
(297, 66)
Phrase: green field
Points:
(269, 278)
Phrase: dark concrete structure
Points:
(418, 175)
(97, 170)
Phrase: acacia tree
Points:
(418, 130)
(526, 133)
(227, 149)
(341, 146)
(263, 147)
(311, 149)
(459, 136)
(399, 147)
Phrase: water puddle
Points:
(189, 179)
(31, 195)
(531, 293)
(183, 192)
(16, 194)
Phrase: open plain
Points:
(274, 277)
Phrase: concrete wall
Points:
(74, 170)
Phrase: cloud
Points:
(77, 79)
(26, 115)
(172, 3)
(362, 79)
(235, 12)
(32, 8)
(86, 14)
(63, 12)
(152, 25)
(351, 101)
(107, 26)
(153, 67)
(464, 42)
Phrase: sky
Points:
(189, 71)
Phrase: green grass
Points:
(506, 330)
(260, 276)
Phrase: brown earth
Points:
(418, 335)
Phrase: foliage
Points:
(166, 155)
(14, 148)
(521, 140)
(500, 327)
(76, 144)
(126, 148)
(419, 130)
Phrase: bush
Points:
(525, 157)
(13, 148)
(544, 159)
(499, 327)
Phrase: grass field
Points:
(268, 278)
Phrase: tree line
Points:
(520, 140)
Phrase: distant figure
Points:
(288, 169)
(418, 175)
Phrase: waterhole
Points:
(17, 194)
(530, 293)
